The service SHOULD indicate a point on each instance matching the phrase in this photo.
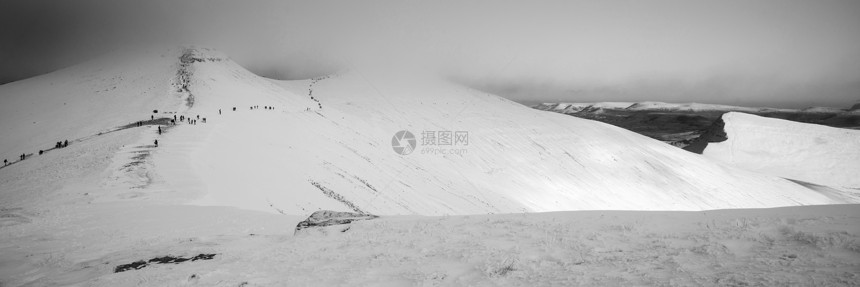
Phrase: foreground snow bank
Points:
(803, 246)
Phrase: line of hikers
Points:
(23, 156)
(189, 120)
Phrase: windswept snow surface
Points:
(807, 152)
(81, 246)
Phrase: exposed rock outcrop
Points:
(326, 218)
(716, 133)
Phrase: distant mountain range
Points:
(681, 124)
(682, 107)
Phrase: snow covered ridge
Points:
(686, 107)
(295, 147)
(806, 152)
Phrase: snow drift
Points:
(806, 152)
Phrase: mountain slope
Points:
(327, 144)
(79, 101)
(805, 152)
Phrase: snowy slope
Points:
(79, 101)
(806, 152)
(333, 151)
(803, 246)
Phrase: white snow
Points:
(804, 246)
(807, 152)
(70, 216)
(300, 158)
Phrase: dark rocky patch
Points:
(716, 133)
(161, 260)
(325, 218)
(158, 121)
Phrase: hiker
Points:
(23, 156)
(65, 144)
(156, 143)
(234, 109)
(198, 117)
(152, 117)
(159, 129)
(57, 145)
(174, 118)
(5, 162)
(219, 111)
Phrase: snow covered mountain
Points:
(807, 152)
(326, 143)
(677, 107)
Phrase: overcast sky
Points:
(782, 53)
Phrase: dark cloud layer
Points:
(770, 52)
